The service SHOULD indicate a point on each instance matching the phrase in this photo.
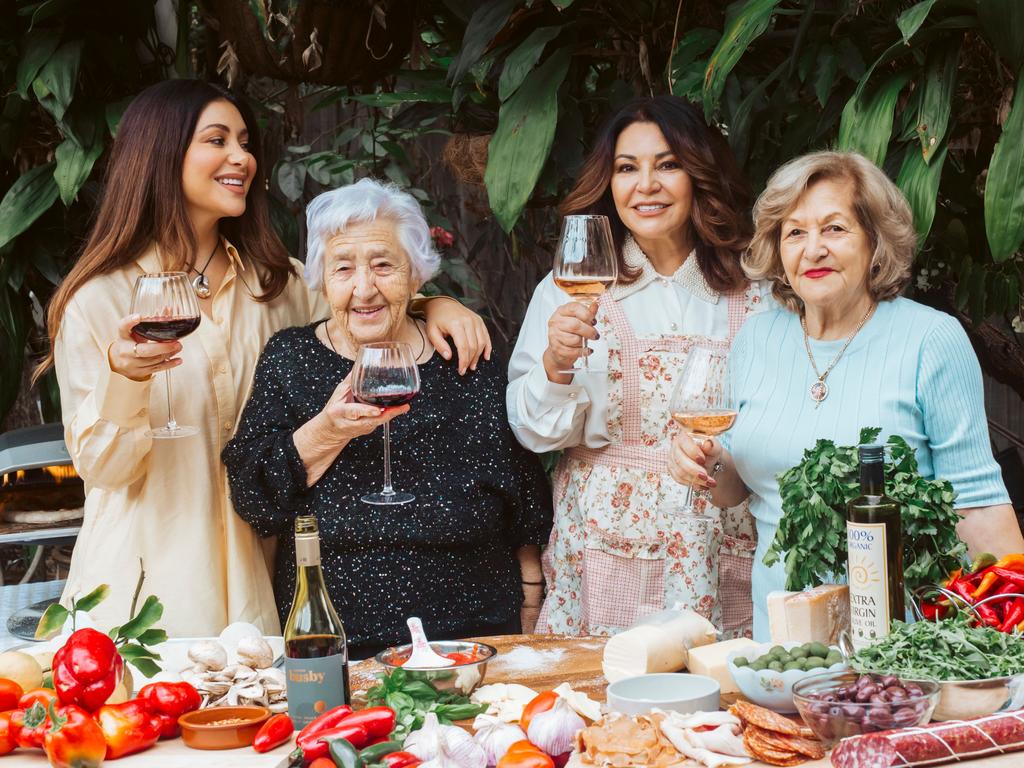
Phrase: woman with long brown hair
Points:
(184, 191)
(621, 546)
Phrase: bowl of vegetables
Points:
(766, 673)
(979, 670)
(464, 676)
(839, 704)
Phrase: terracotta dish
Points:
(222, 727)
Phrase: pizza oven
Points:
(41, 495)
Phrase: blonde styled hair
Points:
(880, 208)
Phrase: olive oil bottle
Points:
(315, 649)
(874, 540)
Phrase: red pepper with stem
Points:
(988, 615)
(30, 725)
(128, 727)
(86, 669)
(314, 745)
(378, 721)
(1013, 615)
(273, 733)
(74, 740)
(400, 760)
(328, 719)
(169, 701)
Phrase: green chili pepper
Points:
(344, 754)
(984, 560)
(374, 753)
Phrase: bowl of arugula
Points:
(980, 670)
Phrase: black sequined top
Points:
(447, 557)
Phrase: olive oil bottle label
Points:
(869, 582)
(314, 686)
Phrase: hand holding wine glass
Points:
(136, 358)
(346, 418)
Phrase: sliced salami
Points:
(870, 751)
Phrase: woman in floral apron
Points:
(623, 546)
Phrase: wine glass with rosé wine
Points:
(701, 403)
(385, 375)
(585, 265)
(169, 310)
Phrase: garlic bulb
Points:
(495, 736)
(445, 746)
(554, 731)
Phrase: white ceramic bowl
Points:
(767, 688)
(670, 691)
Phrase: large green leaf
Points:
(911, 19)
(687, 64)
(485, 23)
(744, 24)
(920, 183)
(74, 163)
(739, 124)
(1003, 23)
(520, 145)
(27, 199)
(522, 60)
(866, 124)
(937, 96)
(825, 79)
(1004, 189)
(55, 84)
(36, 51)
(259, 11)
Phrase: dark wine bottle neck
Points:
(872, 479)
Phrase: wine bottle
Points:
(315, 650)
(874, 541)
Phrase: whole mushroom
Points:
(208, 655)
(255, 652)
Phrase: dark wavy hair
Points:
(143, 200)
(720, 219)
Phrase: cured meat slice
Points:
(808, 747)
(870, 751)
(764, 718)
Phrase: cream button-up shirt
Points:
(166, 501)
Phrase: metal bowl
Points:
(964, 699)
(461, 678)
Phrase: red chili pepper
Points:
(400, 760)
(273, 733)
(1013, 615)
(1016, 577)
(988, 581)
(31, 725)
(988, 615)
(74, 740)
(328, 719)
(8, 733)
(87, 669)
(314, 745)
(961, 587)
(378, 721)
(933, 611)
(169, 701)
(128, 727)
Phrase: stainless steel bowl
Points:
(461, 678)
(963, 699)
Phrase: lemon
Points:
(22, 669)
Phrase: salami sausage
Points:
(933, 744)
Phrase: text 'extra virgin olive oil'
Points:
(315, 650)
(874, 540)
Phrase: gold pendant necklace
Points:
(819, 389)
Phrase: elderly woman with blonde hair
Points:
(835, 237)
(463, 555)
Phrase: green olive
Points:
(813, 662)
(799, 653)
(818, 649)
(758, 665)
(776, 650)
(741, 661)
(795, 664)
(775, 666)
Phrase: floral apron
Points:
(621, 547)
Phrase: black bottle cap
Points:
(871, 454)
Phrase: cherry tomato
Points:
(10, 694)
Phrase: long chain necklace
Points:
(201, 283)
(819, 389)
(423, 339)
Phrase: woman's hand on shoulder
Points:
(347, 419)
(567, 328)
(136, 358)
(689, 461)
(466, 329)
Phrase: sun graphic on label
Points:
(863, 572)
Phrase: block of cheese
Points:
(815, 616)
(656, 645)
(711, 660)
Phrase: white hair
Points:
(329, 213)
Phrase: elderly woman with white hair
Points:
(835, 238)
(464, 555)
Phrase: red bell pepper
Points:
(87, 669)
(8, 733)
(74, 740)
(128, 727)
(41, 696)
(273, 733)
(10, 694)
(30, 725)
(314, 745)
(169, 701)
(400, 760)
(328, 719)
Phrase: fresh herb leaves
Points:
(812, 532)
(945, 650)
(413, 699)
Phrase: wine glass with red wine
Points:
(585, 265)
(170, 311)
(385, 375)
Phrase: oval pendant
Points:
(819, 391)
(201, 286)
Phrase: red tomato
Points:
(10, 694)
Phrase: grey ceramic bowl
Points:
(962, 700)
(671, 691)
(461, 678)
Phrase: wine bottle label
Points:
(869, 582)
(307, 550)
(315, 686)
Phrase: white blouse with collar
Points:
(547, 416)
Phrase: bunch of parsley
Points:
(811, 538)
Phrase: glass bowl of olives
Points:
(766, 673)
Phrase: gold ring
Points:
(135, 349)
